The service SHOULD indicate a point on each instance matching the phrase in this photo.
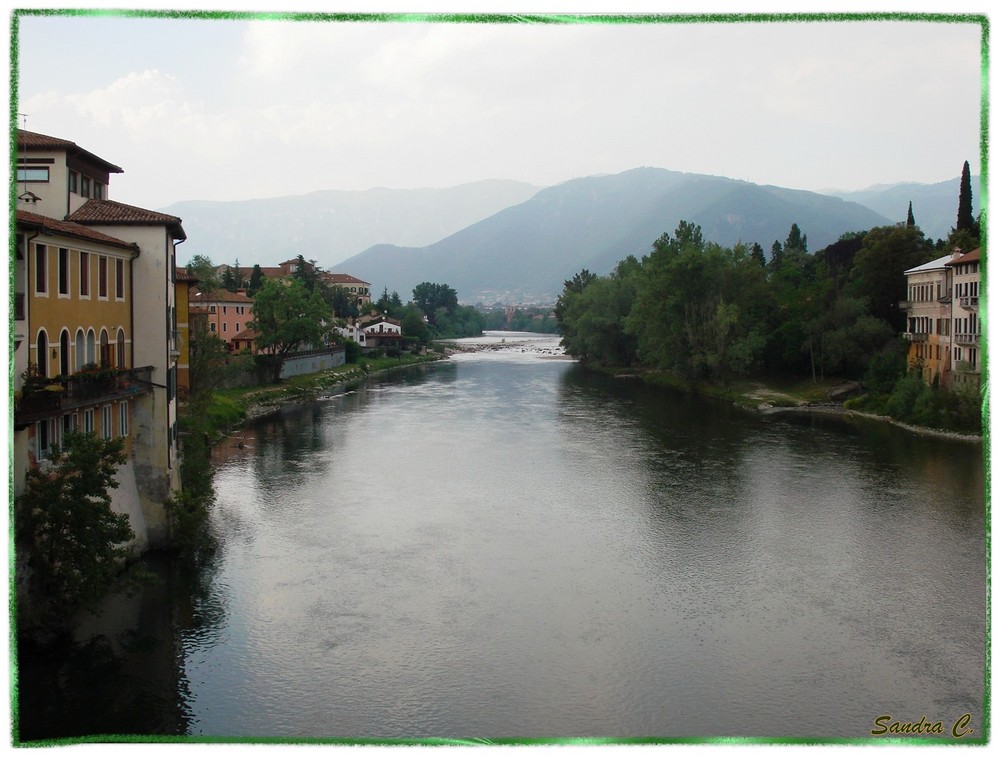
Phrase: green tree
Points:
(910, 220)
(203, 269)
(965, 220)
(256, 280)
(342, 304)
(78, 544)
(287, 317)
(430, 298)
(596, 317)
(877, 275)
(695, 311)
(796, 240)
(571, 288)
(230, 279)
(207, 356)
(413, 323)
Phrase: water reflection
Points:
(506, 546)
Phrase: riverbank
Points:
(777, 396)
(231, 407)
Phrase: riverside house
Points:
(942, 319)
(96, 343)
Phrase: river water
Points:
(503, 545)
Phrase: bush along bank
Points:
(228, 408)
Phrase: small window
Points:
(85, 186)
(41, 272)
(63, 271)
(46, 438)
(88, 421)
(119, 279)
(74, 182)
(121, 348)
(42, 354)
(68, 423)
(225, 327)
(211, 309)
(85, 274)
(32, 174)
(98, 193)
(211, 327)
(106, 428)
(237, 327)
(123, 418)
(102, 276)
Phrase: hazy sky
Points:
(238, 109)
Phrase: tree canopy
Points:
(77, 542)
(287, 317)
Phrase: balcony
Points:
(905, 304)
(63, 394)
(969, 303)
(175, 343)
(912, 337)
(965, 338)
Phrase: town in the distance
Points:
(118, 348)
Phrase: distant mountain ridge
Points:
(935, 206)
(514, 242)
(330, 225)
(525, 252)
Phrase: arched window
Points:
(64, 353)
(105, 350)
(80, 350)
(42, 353)
(121, 348)
(91, 347)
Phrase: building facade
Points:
(226, 313)
(967, 353)
(97, 328)
(942, 320)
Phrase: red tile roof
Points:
(220, 295)
(70, 229)
(183, 275)
(343, 278)
(118, 213)
(28, 140)
(968, 257)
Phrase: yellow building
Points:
(928, 318)
(95, 328)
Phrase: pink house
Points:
(227, 313)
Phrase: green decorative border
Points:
(981, 20)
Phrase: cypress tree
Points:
(965, 220)
(910, 223)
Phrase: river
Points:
(503, 545)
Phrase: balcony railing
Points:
(913, 337)
(64, 394)
(969, 303)
(905, 304)
(965, 338)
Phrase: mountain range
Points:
(513, 242)
(330, 225)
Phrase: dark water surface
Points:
(503, 545)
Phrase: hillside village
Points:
(106, 325)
